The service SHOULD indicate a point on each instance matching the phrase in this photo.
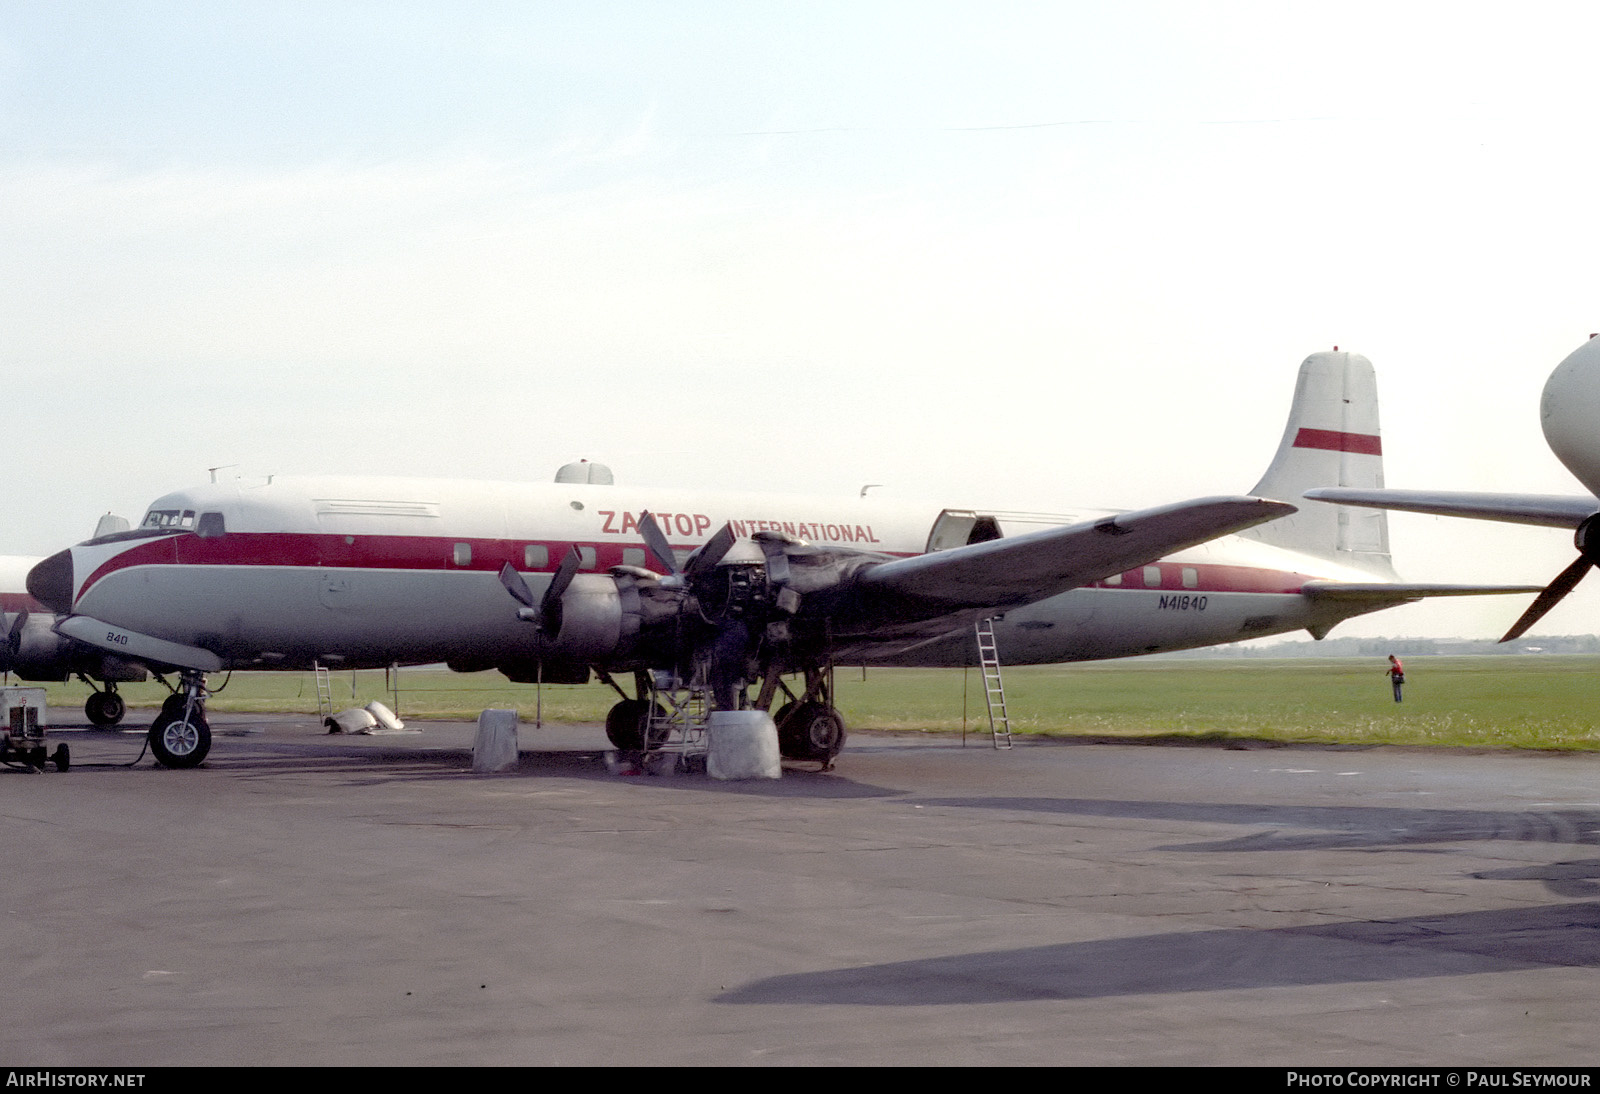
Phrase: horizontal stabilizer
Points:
(1007, 572)
(144, 647)
(1549, 510)
(1398, 592)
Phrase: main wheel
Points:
(178, 743)
(626, 723)
(104, 708)
(810, 731)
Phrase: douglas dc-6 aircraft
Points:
(1569, 412)
(734, 590)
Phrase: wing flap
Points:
(1549, 510)
(1006, 572)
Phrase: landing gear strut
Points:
(180, 737)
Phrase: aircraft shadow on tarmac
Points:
(1461, 944)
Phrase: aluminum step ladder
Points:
(994, 691)
(675, 725)
(324, 692)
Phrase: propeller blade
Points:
(516, 586)
(1565, 582)
(655, 540)
(13, 644)
(708, 556)
(550, 606)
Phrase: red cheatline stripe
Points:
(357, 552)
(436, 554)
(1334, 441)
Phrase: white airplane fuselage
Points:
(372, 571)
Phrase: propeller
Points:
(712, 552)
(545, 614)
(703, 560)
(655, 541)
(1565, 581)
(13, 645)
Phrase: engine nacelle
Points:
(544, 672)
(118, 670)
(591, 627)
(610, 619)
(39, 652)
(42, 655)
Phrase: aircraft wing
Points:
(1550, 510)
(1007, 572)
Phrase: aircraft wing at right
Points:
(1019, 570)
(1549, 510)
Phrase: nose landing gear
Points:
(180, 737)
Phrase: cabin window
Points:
(210, 526)
(535, 556)
(1152, 577)
(461, 555)
(586, 557)
(633, 556)
(1114, 579)
(1191, 578)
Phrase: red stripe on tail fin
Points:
(1334, 441)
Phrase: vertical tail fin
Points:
(1331, 439)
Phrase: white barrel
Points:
(743, 744)
(496, 746)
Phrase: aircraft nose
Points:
(50, 582)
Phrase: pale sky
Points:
(1020, 255)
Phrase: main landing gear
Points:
(180, 737)
(810, 728)
(105, 709)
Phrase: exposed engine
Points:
(731, 616)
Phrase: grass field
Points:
(1496, 702)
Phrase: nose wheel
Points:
(180, 737)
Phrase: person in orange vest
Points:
(1397, 675)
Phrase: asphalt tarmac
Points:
(307, 899)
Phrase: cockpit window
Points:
(169, 520)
